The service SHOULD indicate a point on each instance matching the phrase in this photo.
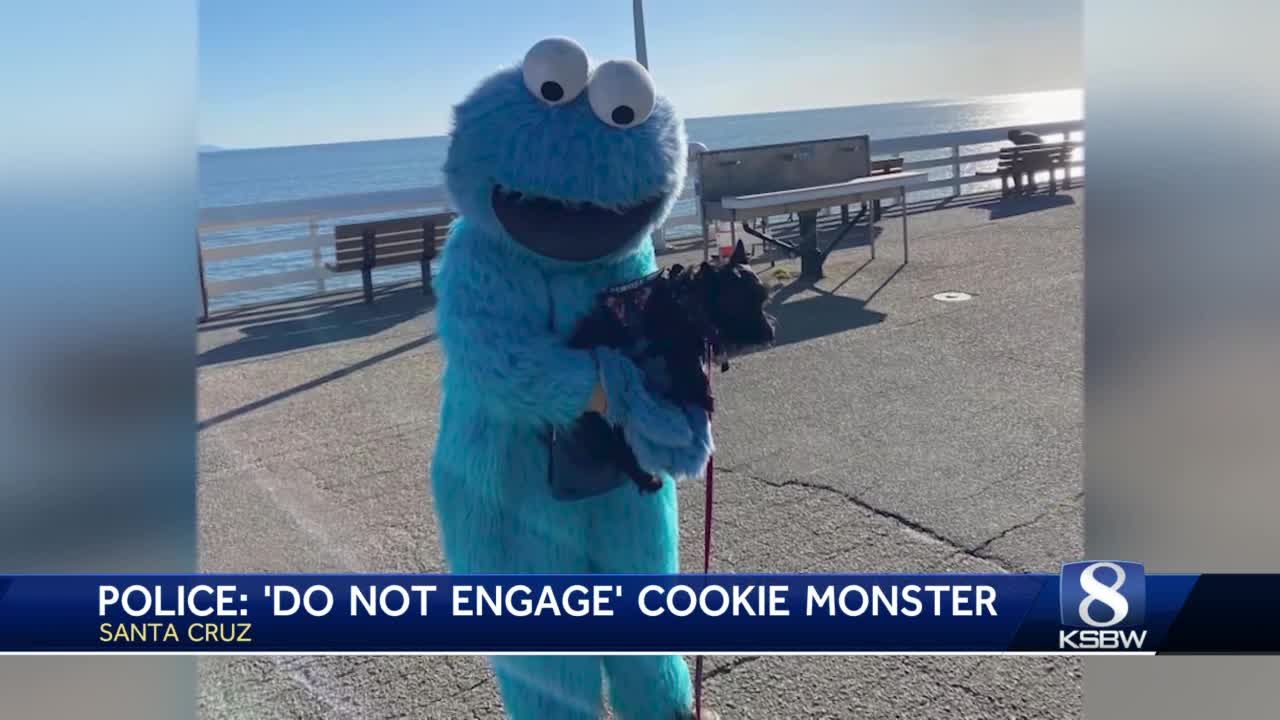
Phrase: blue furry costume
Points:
(558, 175)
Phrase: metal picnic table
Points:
(743, 184)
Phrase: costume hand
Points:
(664, 437)
(688, 460)
(629, 404)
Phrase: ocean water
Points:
(242, 177)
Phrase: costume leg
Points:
(637, 533)
(503, 520)
(551, 687)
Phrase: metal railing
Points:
(959, 153)
(303, 229)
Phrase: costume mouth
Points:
(570, 231)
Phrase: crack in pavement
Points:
(456, 693)
(970, 685)
(730, 667)
(906, 522)
(980, 549)
(469, 688)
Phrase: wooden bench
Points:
(1018, 164)
(364, 246)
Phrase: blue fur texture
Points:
(504, 317)
(503, 135)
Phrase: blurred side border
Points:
(98, 203)
(1182, 322)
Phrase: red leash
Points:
(706, 545)
(706, 566)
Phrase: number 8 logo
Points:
(1106, 594)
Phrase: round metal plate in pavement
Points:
(953, 296)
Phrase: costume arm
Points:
(501, 353)
(520, 373)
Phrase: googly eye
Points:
(555, 70)
(621, 93)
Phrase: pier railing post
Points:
(316, 260)
(955, 170)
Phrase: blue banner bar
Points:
(492, 614)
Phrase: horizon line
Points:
(216, 148)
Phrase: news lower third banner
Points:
(1090, 607)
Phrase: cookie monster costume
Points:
(559, 173)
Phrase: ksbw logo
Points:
(1100, 596)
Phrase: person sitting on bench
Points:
(1022, 137)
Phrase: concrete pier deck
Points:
(886, 431)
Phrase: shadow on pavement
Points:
(315, 383)
(308, 325)
(1021, 205)
(824, 313)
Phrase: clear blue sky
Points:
(294, 72)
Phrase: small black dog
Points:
(666, 324)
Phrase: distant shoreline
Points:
(935, 101)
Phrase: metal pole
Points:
(659, 235)
(204, 290)
(694, 171)
(642, 52)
